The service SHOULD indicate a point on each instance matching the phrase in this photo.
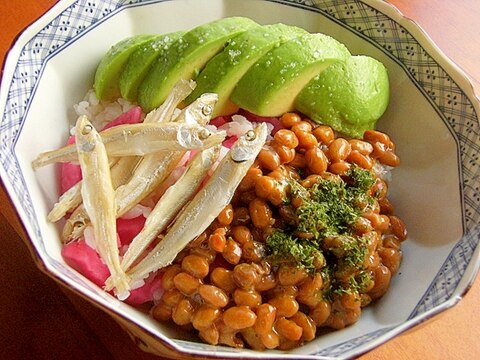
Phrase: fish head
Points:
(86, 137)
(201, 110)
(199, 137)
(249, 144)
(212, 137)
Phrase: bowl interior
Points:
(426, 189)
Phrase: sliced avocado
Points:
(108, 71)
(140, 61)
(223, 71)
(349, 96)
(270, 86)
(187, 56)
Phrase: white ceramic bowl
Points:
(432, 117)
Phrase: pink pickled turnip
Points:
(219, 121)
(132, 116)
(147, 292)
(86, 261)
(70, 173)
(228, 143)
(127, 229)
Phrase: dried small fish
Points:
(149, 173)
(170, 203)
(164, 112)
(206, 205)
(153, 169)
(200, 111)
(139, 139)
(122, 170)
(99, 200)
(69, 200)
(75, 224)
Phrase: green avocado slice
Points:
(222, 73)
(108, 71)
(187, 56)
(349, 96)
(140, 61)
(270, 86)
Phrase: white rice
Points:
(384, 172)
(240, 125)
(237, 127)
(101, 112)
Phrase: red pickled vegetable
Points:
(148, 292)
(219, 121)
(81, 257)
(132, 116)
(228, 143)
(86, 261)
(127, 229)
(70, 174)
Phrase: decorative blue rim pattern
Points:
(445, 96)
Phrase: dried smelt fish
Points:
(99, 200)
(206, 205)
(138, 139)
(153, 169)
(75, 224)
(148, 175)
(130, 194)
(164, 112)
(150, 172)
(69, 200)
(122, 170)
(170, 203)
(202, 108)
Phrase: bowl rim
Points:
(420, 35)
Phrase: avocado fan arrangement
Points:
(267, 70)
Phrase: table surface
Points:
(40, 320)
